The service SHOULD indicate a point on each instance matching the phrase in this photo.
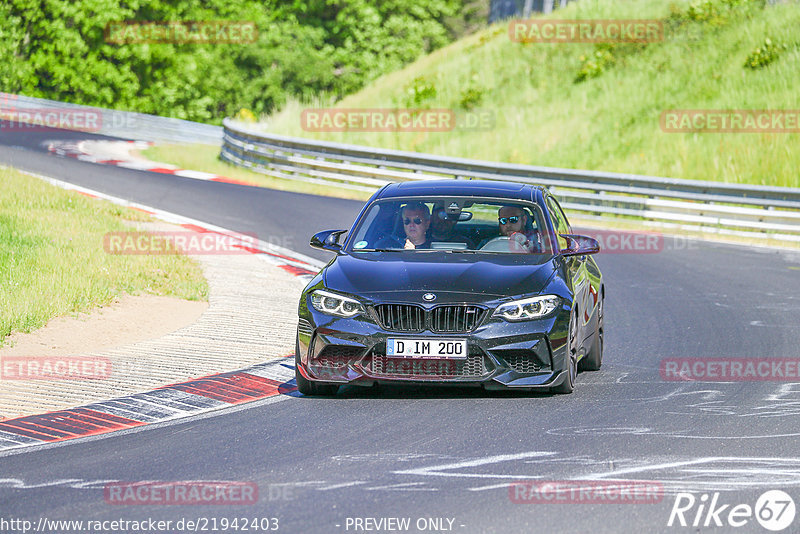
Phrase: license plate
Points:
(455, 349)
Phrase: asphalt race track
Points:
(424, 454)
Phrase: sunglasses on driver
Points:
(514, 219)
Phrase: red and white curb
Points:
(166, 403)
(174, 401)
(117, 153)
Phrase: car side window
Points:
(560, 221)
(563, 215)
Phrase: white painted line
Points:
(297, 259)
(497, 486)
(405, 486)
(142, 165)
(644, 468)
(18, 483)
(197, 175)
(436, 470)
(342, 485)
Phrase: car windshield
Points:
(468, 225)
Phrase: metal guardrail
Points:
(124, 124)
(747, 210)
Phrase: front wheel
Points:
(594, 359)
(568, 385)
(306, 386)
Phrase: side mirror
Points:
(578, 245)
(327, 240)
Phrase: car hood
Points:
(494, 275)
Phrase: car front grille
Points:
(450, 319)
(401, 317)
(474, 366)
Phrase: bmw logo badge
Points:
(428, 297)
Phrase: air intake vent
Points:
(473, 366)
(442, 319)
(401, 317)
(337, 356)
(523, 363)
(453, 319)
(304, 327)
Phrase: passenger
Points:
(443, 228)
(416, 221)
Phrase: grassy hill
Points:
(595, 106)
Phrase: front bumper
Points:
(501, 354)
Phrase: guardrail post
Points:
(527, 8)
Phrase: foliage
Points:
(472, 94)
(595, 64)
(687, 23)
(304, 48)
(419, 91)
(539, 116)
(764, 54)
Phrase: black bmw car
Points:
(453, 282)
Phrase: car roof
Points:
(484, 188)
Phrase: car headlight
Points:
(334, 304)
(526, 309)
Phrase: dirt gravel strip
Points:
(251, 319)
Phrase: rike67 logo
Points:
(774, 510)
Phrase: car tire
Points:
(593, 360)
(306, 386)
(568, 385)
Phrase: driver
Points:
(513, 221)
(416, 220)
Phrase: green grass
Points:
(52, 260)
(611, 121)
(198, 157)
